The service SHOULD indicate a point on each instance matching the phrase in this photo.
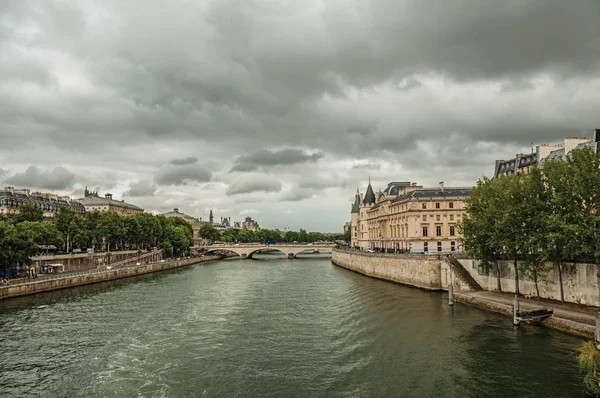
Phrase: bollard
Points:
(598, 331)
(515, 310)
(450, 294)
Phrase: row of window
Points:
(438, 217)
(439, 246)
(438, 205)
(45, 206)
(438, 231)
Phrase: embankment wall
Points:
(85, 279)
(414, 270)
(580, 283)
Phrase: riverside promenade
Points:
(72, 279)
(572, 318)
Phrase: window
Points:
(425, 247)
(424, 205)
(437, 205)
(451, 217)
(439, 246)
(452, 231)
(424, 231)
(452, 246)
(451, 205)
(438, 231)
(424, 218)
(437, 218)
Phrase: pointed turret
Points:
(356, 205)
(369, 195)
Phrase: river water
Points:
(272, 327)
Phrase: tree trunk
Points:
(598, 275)
(535, 280)
(516, 274)
(560, 281)
(499, 283)
(67, 248)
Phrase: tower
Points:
(210, 217)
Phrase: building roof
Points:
(394, 188)
(528, 160)
(369, 196)
(45, 201)
(448, 192)
(98, 201)
(356, 204)
(555, 155)
(177, 213)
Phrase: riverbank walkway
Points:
(570, 317)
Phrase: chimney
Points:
(442, 186)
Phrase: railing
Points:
(67, 275)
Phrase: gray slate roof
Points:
(98, 201)
(177, 213)
(369, 196)
(356, 204)
(11, 199)
(423, 193)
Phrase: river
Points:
(272, 327)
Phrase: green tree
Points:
(302, 236)
(208, 232)
(66, 221)
(29, 212)
(588, 358)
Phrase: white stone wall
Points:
(418, 271)
(580, 286)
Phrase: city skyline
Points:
(279, 112)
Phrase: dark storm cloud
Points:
(181, 175)
(262, 184)
(266, 158)
(184, 161)
(57, 178)
(140, 188)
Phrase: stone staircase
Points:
(463, 275)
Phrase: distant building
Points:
(11, 199)
(522, 163)
(406, 217)
(91, 201)
(194, 222)
(250, 224)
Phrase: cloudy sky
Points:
(279, 109)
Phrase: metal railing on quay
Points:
(73, 274)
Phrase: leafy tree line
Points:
(541, 220)
(209, 232)
(21, 235)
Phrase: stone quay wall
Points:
(413, 270)
(580, 285)
(85, 279)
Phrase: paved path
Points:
(569, 311)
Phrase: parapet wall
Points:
(85, 279)
(414, 270)
(580, 285)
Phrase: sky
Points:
(277, 109)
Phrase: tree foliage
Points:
(550, 215)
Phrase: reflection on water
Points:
(272, 327)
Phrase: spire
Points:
(369, 195)
(356, 205)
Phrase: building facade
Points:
(250, 224)
(522, 163)
(193, 221)
(408, 218)
(11, 199)
(92, 201)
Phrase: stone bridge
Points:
(247, 251)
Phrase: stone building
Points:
(522, 163)
(250, 224)
(406, 217)
(193, 221)
(92, 201)
(11, 199)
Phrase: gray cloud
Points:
(140, 188)
(58, 178)
(245, 186)
(184, 161)
(296, 195)
(181, 175)
(265, 157)
(442, 102)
